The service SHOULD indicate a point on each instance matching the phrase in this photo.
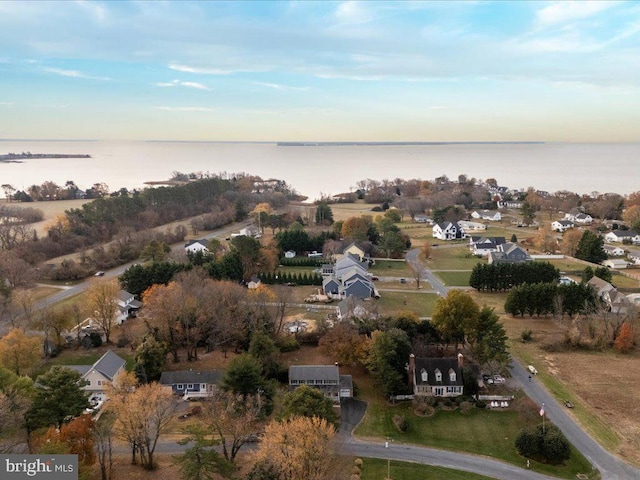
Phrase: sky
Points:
(325, 71)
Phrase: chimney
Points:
(460, 361)
(411, 373)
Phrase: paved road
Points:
(425, 273)
(611, 467)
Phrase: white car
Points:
(497, 380)
(533, 370)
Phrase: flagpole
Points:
(542, 414)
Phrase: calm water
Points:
(581, 168)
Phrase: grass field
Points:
(376, 469)
(452, 258)
(455, 279)
(391, 268)
(392, 303)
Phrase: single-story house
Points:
(468, 226)
(195, 246)
(613, 251)
(192, 383)
(510, 204)
(578, 216)
(325, 378)
(622, 236)
(250, 231)
(491, 215)
(254, 283)
(616, 263)
(102, 373)
(633, 256)
(420, 218)
(562, 225)
(436, 377)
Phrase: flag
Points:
(542, 411)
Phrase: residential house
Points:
(191, 383)
(515, 204)
(491, 215)
(615, 301)
(613, 251)
(620, 236)
(357, 250)
(468, 226)
(436, 377)
(348, 277)
(420, 218)
(325, 378)
(127, 306)
(633, 256)
(447, 231)
(195, 246)
(251, 231)
(485, 245)
(353, 307)
(102, 373)
(616, 263)
(509, 253)
(576, 215)
(562, 225)
(254, 282)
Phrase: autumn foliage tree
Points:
(299, 448)
(101, 300)
(625, 340)
(19, 352)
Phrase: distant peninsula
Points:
(19, 157)
(399, 144)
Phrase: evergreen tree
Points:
(590, 248)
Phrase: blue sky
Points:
(334, 71)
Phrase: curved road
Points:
(610, 466)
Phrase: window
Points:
(179, 386)
(99, 382)
(452, 375)
(424, 375)
(190, 386)
(203, 386)
(438, 375)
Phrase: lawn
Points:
(455, 279)
(452, 258)
(392, 303)
(479, 432)
(376, 469)
(391, 268)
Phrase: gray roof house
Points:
(325, 378)
(102, 373)
(485, 245)
(622, 235)
(347, 278)
(127, 304)
(509, 253)
(447, 231)
(437, 377)
(191, 383)
(194, 246)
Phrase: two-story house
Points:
(509, 253)
(447, 231)
(101, 374)
(436, 377)
(127, 305)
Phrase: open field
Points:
(391, 268)
(50, 210)
(376, 469)
(455, 279)
(392, 303)
(342, 211)
(453, 258)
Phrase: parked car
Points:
(496, 380)
(403, 280)
(533, 370)
(99, 274)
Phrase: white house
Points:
(289, 254)
(634, 256)
(127, 304)
(447, 231)
(491, 215)
(467, 226)
(250, 231)
(620, 236)
(485, 245)
(195, 246)
(613, 250)
(561, 225)
(102, 373)
(616, 263)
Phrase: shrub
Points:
(546, 444)
(358, 462)
(481, 404)
(287, 344)
(401, 423)
(526, 336)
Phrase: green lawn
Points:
(422, 304)
(391, 268)
(480, 431)
(376, 469)
(455, 279)
(454, 258)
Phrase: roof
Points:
(600, 285)
(564, 222)
(204, 243)
(123, 295)
(346, 381)
(430, 365)
(108, 365)
(314, 372)
(191, 376)
(624, 233)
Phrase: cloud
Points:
(184, 109)
(566, 11)
(201, 71)
(277, 86)
(6, 104)
(178, 83)
(72, 73)
(352, 12)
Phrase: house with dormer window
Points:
(101, 374)
(436, 377)
(447, 231)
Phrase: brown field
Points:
(50, 211)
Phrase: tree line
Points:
(500, 277)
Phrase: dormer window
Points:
(452, 375)
(438, 375)
(424, 375)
